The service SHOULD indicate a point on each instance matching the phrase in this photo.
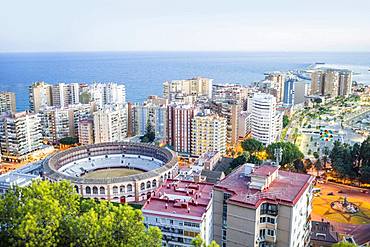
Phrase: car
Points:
(365, 191)
(340, 191)
(330, 194)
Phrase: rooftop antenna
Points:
(278, 152)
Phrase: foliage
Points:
(238, 161)
(52, 214)
(285, 121)
(69, 140)
(352, 161)
(252, 145)
(344, 244)
(199, 242)
(290, 152)
(149, 134)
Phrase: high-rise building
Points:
(7, 102)
(229, 93)
(107, 93)
(263, 206)
(110, 124)
(345, 83)
(179, 120)
(40, 96)
(86, 131)
(331, 82)
(64, 94)
(155, 115)
(60, 122)
(231, 113)
(263, 118)
(20, 134)
(244, 124)
(278, 83)
(196, 87)
(208, 134)
(182, 210)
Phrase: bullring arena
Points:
(118, 172)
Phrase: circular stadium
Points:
(119, 171)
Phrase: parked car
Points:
(330, 194)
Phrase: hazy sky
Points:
(248, 25)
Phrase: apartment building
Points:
(65, 94)
(40, 96)
(150, 113)
(264, 122)
(195, 88)
(7, 102)
(230, 93)
(179, 121)
(86, 131)
(208, 134)
(263, 206)
(107, 93)
(110, 124)
(20, 134)
(331, 82)
(182, 210)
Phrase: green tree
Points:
(285, 121)
(199, 242)
(344, 244)
(149, 133)
(318, 166)
(252, 145)
(238, 161)
(69, 140)
(53, 214)
(290, 152)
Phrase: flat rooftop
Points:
(286, 188)
(180, 199)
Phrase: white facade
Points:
(107, 93)
(110, 124)
(20, 134)
(263, 118)
(154, 115)
(196, 87)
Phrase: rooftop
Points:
(282, 186)
(180, 199)
(323, 232)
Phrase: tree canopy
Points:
(252, 145)
(290, 152)
(352, 161)
(344, 244)
(285, 121)
(69, 140)
(199, 242)
(53, 214)
(149, 134)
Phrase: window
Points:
(95, 190)
(115, 189)
(267, 208)
(154, 183)
(88, 190)
(142, 186)
(102, 190)
(271, 232)
(148, 184)
(129, 188)
(122, 189)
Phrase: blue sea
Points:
(144, 72)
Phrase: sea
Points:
(144, 72)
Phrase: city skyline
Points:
(179, 26)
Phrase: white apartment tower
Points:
(40, 96)
(110, 124)
(7, 102)
(107, 93)
(263, 118)
(208, 134)
(20, 134)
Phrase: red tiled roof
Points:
(180, 198)
(286, 189)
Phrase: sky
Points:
(184, 25)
